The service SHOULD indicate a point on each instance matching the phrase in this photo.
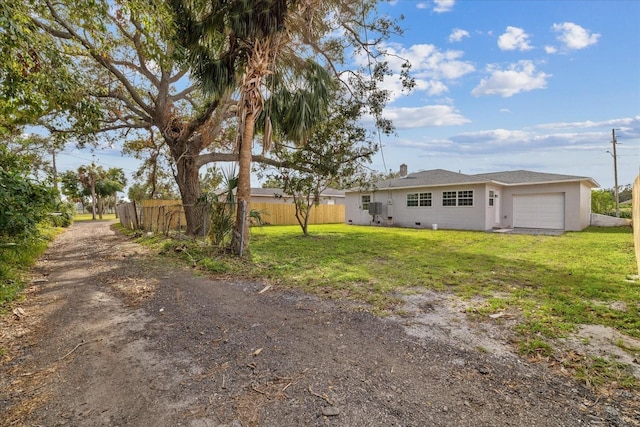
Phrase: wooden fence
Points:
(635, 207)
(129, 216)
(160, 216)
(285, 213)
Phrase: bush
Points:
(24, 204)
(624, 213)
(63, 215)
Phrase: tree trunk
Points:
(115, 203)
(189, 185)
(100, 206)
(240, 238)
(93, 202)
(302, 213)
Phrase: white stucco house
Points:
(449, 200)
(329, 196)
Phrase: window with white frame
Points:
(457, 198)
(465, 198)
(365, 200)
(492, 196)
(449, 198)
(419, 199)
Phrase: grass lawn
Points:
(556, 282)
(88, 217)
(17, 259)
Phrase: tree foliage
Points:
(125, 71)
(335, 155)
(35, 78)
(284, 59)
(602, 202)
(25, 201)
(101, 185)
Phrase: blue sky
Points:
(506, 85)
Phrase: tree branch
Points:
(101, 59)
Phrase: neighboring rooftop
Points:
(271, 192)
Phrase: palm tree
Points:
(88, 175)
(256, 55)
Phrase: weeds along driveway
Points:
(119, 336)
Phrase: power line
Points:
(97, 161)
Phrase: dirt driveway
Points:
(111, 335)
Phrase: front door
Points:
(494, 204)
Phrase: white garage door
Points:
(539, 211)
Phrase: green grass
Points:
(598, 372)
(81, 217)
(16, 261)
(555, 281)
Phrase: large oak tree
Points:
(125, 74)
(131, 87)
(283, 58)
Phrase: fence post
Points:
(180, 210)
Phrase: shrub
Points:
(63, 215)
(25, 202)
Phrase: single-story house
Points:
(329, 196)
(444, 199)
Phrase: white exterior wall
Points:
(394, 206)
(585, 207)
(576, 210)
(353, 212)
(481, 216)
(325, 200)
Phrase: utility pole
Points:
(55, 170)
(615, 171)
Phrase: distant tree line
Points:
(603, 201)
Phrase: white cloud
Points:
(614, 123)
(443, 5)
(422, 5)
(431, 68)
(550, 49)
(426, 116)
(511, 144)
(573, 36)
(457, 35)
(505, 110)
(520, 77)
(520, 141)
(427, 61)
(514, 39)
(543, 148)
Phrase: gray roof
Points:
(529, 177)
(431, 178)
(441, 177)
(271, 192)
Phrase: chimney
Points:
(403, 170)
